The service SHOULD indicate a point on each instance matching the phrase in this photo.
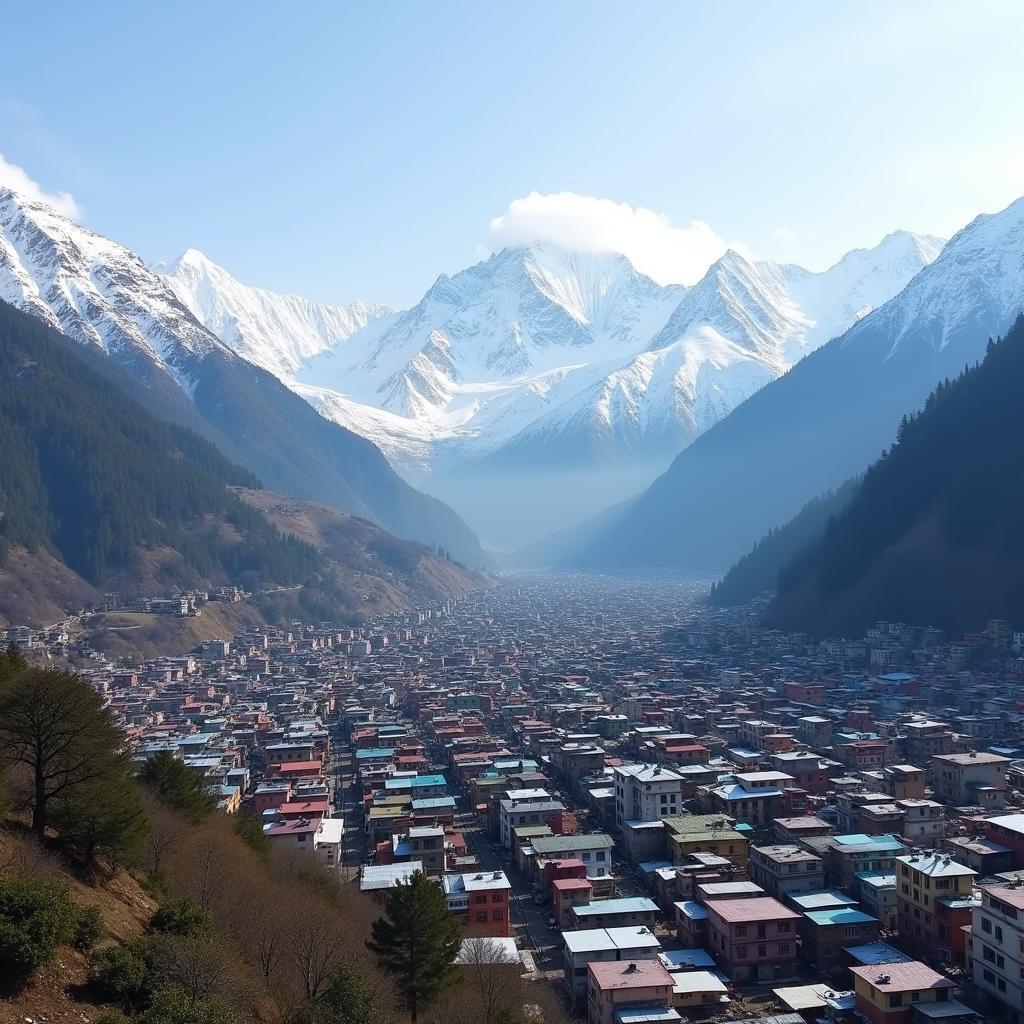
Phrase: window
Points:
(497, 915)
(999, 934)
(481, 916)
(783, 948)
(741, 930)
(784, 926)
(896, 999)
(741, 951)
(989, 977)
(762, 951)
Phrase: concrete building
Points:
(753, 940)
(997, 949)
(934, 904)
(781, 870)
(976, 779)
(600, 945)
(644, 792)
(626, 993)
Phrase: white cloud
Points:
(14, 177)
(654, 246)
(784, 234)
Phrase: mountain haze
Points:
(543, 384)
(828, 416)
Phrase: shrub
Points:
(36, 916)
(181, 917)
(89, 928)
(112, 1017)
(121, 974)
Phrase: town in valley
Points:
(662, 810)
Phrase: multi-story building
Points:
(925, 739)
(705, 833)
(754, 798)
(603, 945)
(515, 813)
(481, 902)
(924, 821)
(887, 993)
(934, 901)
(878, 895)
(824, 934)
(627, 912)
(595, 850)
(997, 948)
(976, 779)
(903, 781)
(641, 987)
(645, 792)
(753, 940)
(781, 870)
(807, 770)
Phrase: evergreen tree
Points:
(416, 941)
(54, 728)
(104, 820)
(177, 785)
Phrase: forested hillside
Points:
(92, 482)
(933, 533)
(758, 570)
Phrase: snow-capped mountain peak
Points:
(277, 332)
(94, 290)
(974, 287)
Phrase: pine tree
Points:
(104, 820)
(54, 728)
(416, 941)
(177, 785)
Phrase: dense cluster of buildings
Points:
(677, 814)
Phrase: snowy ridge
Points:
(974, 287)
(277, 332)
(94, 290)
(546, 344)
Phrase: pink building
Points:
(618, 985)
(753, 940)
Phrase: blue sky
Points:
(356, 151)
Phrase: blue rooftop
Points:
(839, 915)
(372, 753)
(885, 842)
(417, 782)
(433, 803)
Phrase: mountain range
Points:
(102, 295)
(829, 416)
(543, 384)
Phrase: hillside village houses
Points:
(664, 810)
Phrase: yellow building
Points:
(887, 993)
(935, 897)
(705, 833)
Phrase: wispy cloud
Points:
(17, 178)
(670, 254)
(784, 234)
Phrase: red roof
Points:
(757, 908)
(902, 977)
(571, 883)
(617, 974)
